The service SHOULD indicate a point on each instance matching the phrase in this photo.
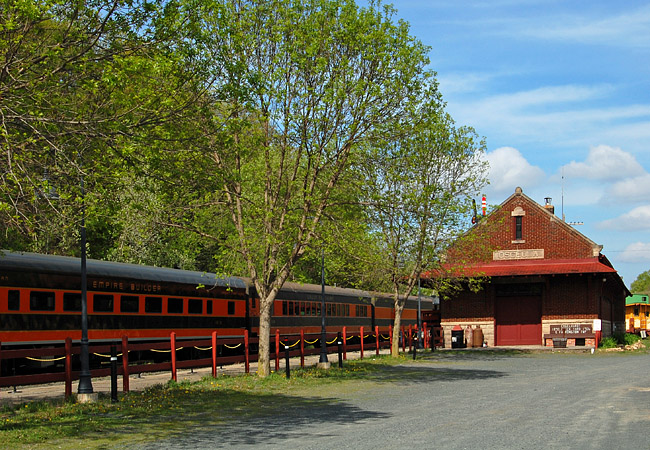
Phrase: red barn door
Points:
(519, 320)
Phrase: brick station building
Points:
(545, 281)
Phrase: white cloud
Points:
(628, 29)
(605, 163)
(637, 252)
(630, 190)
(636, 219)
(509, 169)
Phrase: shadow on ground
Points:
(256, 420)
(492, 354)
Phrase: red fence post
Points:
(410, 337)
(302, 348)
(125, 363)
(247, 360)
(214, 354)
(361, 337)
(277, 350)
(377, 339)
(345, 343)
(172, 346)
(68, 367)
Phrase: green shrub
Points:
(608, 342)
(630, 339)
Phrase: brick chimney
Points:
(548, 205)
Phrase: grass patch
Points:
(161, 411)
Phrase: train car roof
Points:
(67, 265)
(312, 292)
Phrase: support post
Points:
(361, 337)
(125, 363)
(286, 358)
(339, 344)
(68, 367)
(377, 339)
(113, 373)
(277, 350)
(172, 346)
(247, 361)
(302, 348)
(214, 354)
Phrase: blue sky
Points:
(561, 92)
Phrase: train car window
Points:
(318, 305)
(102, 303)
(13, 301)
(290, 308)
(208, 307)
(302, 308)
(174, 306)
(285, 307)
(153, 305)
(195, 306)
(308, 309)
(129, 304)
(71, 301)
(313, 309)
(347, 310)
(41, 301)
(231, 308)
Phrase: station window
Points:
(195, 306)
(129, 304)
(71, 301)
(102, 303)
(13, 303)
(41, 301)
(175, 306)
(518, 221)
(231, 308)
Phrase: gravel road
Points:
(473, 400)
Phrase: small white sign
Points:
(597, 325)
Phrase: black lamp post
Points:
(323, 338)
(85, 383)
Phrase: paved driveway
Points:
(473, 400)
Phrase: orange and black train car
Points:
(40, 303)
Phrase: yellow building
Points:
(637, 312)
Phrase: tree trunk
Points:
(264, 351)
(397, 323)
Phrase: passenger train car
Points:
(40, 303)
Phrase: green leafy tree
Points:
(642, 283)
(83, 87)
(419, 194)
(297, 87)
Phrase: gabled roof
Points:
(561, 223)
(534, 267)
